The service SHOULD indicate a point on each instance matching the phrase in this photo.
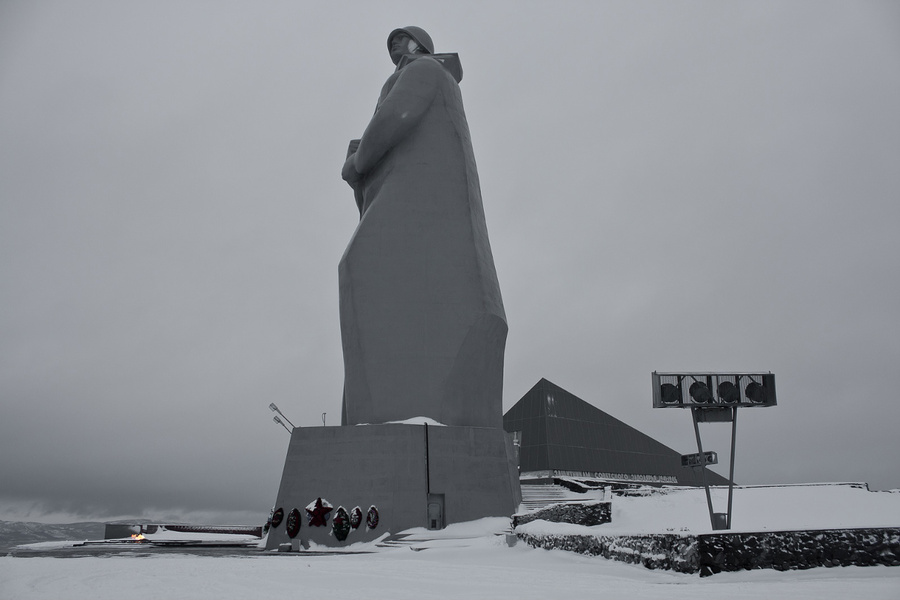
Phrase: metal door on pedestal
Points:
(435, 511)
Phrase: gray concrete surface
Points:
(387, 466)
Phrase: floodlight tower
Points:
(713, 398)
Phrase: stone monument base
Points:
(412, 475)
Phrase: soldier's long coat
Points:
(422, 320)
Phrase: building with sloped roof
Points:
(561, 435)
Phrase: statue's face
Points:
(402, 44)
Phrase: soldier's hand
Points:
(349, 172)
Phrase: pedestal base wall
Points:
(415, 476)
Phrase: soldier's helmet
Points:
(418, 35)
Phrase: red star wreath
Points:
(317, 512)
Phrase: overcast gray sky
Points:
(668, 186)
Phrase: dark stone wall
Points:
(663, 551)
(713, 553)
(790, 550)
(579, 513)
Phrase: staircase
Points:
(545, 494)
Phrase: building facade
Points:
(561, 435)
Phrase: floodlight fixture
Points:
(669, 393)
(728, 392)
(700, 393)
(274, 408)
(757, 393)
(690, 390)
(280, 422)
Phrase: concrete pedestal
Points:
(415, 476)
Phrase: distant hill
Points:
(15, 533)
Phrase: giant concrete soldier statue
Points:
(422, 320)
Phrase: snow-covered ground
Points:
(470, 560)
(164, 535)
(482, 567)
(761, 508)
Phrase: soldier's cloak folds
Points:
(422, 320)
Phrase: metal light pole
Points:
(274, 408)
(280, 422)
(713, 398)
